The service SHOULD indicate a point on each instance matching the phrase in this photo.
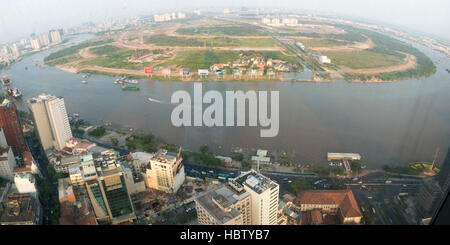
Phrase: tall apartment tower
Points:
(51, 120)
(56, 36)
(12, 129)
(35, 44)
(166, 172)
(264, 195)
(44, 39)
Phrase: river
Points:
(387, 123)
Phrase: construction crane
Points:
(435, 157)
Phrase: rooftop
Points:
(342, 198)
(254, 180)
(225, 196)
(19, 208)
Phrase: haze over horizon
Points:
(20, 18)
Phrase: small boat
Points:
(132, 81)
(126, 88)
(153, 100)
(448, 70)
(16, 93)
(6, 81)
(84, 82)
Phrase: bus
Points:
(224, 175)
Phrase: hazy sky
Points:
(19, 18)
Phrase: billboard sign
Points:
(148, 71)
(203, 72)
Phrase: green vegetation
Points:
(55, 175)
(62, 60)
(355, 167)
(221, 30)
(207, 157)
(363, 59)
(411, 169)
(326, 42)
(201, 59)
(170, 147)
(389, 46)
(299, 185)
(146, 142)
(74, 49)
(3, 182)
(164, 40)
(113, 57)
(246, 165)
(114, 141)
(238, 157)
(351, 35)
(47, 199)
(98, 132)
(287, 161)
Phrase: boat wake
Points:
(155, 100)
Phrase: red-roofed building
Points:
(341, 203)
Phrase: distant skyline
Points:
(20, 18)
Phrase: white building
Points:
(290, 21)
(324, 59)
(263, 194)
(44, 39)
(25, 182)
(56, 36)
(51, 120)
(166, 172)
(7, 163)
(35, 45)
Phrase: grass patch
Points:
(98, 132)
(241, 30)
(362, 59)
(201, 59)
(327, 42)
(164, 40)
(113, 57)
(74, 49)
(411, 169)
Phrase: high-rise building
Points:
(10, 123)
(428, 198)
(263, 195)
(109, 196)
(166, 172)
(44, 39)
(35, 44)
(7, 163)
(51, 120)
(225, 205)
(56, 36)
(15, 50)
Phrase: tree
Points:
(114, 141)
(299, 185)
(356, 167)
